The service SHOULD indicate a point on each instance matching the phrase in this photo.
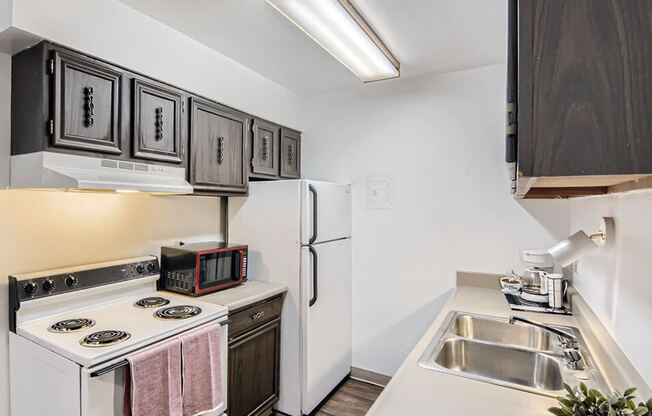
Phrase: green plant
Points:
(583, 401)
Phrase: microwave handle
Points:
(313, 300)
(313, 191)
(243, 268)
(125, 362)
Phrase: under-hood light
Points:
(337, 27)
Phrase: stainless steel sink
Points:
(500, 331)
(490, 349)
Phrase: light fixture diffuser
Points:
(338, 28)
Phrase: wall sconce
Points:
(579, 244)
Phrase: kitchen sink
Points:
(523, 357)
(500, 331)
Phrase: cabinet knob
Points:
(158, 121)
(220, 150)
(89, 106)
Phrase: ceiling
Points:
(426, 36)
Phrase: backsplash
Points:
(616, 280)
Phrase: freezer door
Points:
(326, 319)
(325, 211)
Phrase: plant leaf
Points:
(556, 411)
(629, 391)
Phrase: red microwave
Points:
(200, 268)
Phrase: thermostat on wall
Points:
(380, 193)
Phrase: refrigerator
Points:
(299, 235)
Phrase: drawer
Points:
(255, 315)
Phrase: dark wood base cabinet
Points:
(254, 359)
(579, 96)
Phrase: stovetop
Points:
(133, 326)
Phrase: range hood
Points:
(64, 171)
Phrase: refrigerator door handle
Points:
(313, 191)
(313, 300)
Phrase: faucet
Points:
(569, 341)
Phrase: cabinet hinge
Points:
(51, 66)
(252, 163)
(183, 106)
(511, 118)
(51, 127)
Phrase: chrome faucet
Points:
(569, 341)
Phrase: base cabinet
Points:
(254, 359)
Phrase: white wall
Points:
(616, 281)
(113, 31)
(441, 139)
(5, 14)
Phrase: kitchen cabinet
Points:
(217, 148)
(254, 358)
(290, 153)
(158, 131)
(580, 111)
(265, 143)
(67, 102)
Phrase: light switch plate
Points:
(380, 193)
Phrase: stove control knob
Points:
(151, 267)
(71, 281)
(48, 285)
(30, 288)
(140, 268)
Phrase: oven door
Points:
(218, 269)
(103, 395)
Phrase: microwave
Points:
(200, 268)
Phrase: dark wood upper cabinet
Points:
(217, 148)
(583, 91)
(86, 104)
(290, 153)
(157, 122)
(265, 143)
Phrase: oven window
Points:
(215, 268)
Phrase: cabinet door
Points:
(86, 104)
(265, 148)
(157, 122)
(290, 153)
(217, 148)
(585, 93)
(254, 370)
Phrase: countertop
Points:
(417, 391)
(245, 294)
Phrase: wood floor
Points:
(353, 398)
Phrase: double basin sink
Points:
(518, 356)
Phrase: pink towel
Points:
(202, 369)
(155, 381)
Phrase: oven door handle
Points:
(125, 362)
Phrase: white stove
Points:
(73, 329)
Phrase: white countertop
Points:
(245, 294)
(417, 391)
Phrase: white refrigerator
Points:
(299, 234)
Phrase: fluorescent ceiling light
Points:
(337, 27)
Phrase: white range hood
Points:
(64, 171)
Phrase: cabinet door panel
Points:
(265, 148)
(253, 370)
(585, 94)
(290, 153)
(157, 122)
(86, 104)
(217, 148)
